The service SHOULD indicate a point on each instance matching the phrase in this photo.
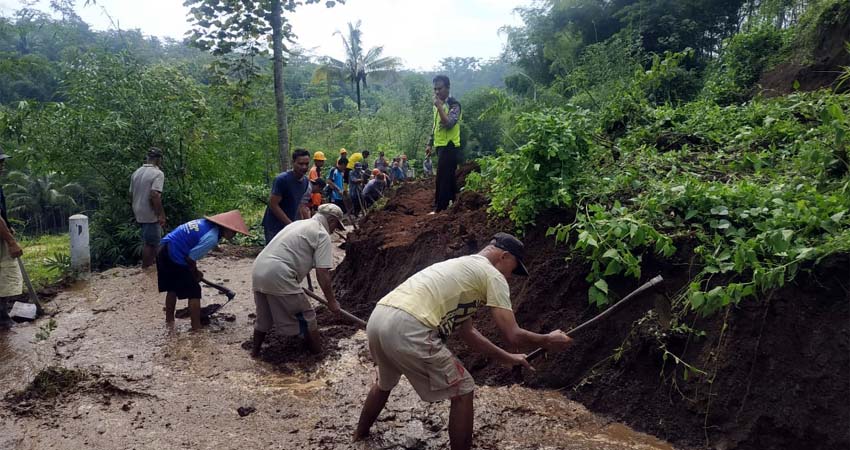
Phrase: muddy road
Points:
(112, 375)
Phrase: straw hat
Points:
(232, 220)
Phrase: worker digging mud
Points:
(281, 267)
(11, 281)
(176, 263)
(408, 329)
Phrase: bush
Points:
(743, 59)
(544, 172)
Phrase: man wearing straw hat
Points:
(281, 267)
(176, 263)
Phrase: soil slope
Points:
(777, 376)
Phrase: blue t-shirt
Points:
(193, 239)
(290, 190)
(336, 177)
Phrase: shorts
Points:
(291, 315)
(172, 277)
(402, 345)
(151, 233)
(11, 281)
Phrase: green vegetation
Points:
(643, 118)
(47, 258)
(79, 109)
(673, 152)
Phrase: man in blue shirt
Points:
(336, 180)
(287, 190)
(176, 263)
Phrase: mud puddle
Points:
(148, 385)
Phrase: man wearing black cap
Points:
(11, 282)
(409, 326)
(146, 189)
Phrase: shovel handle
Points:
(26, 277)
(230, 294)
(648, 285)
(345, 313)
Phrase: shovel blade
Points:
(26, 311)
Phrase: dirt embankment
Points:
(828, 58)
(777, 374)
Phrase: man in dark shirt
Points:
(11, 282)
(287, 191)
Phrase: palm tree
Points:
(358, 64)
(43, 199)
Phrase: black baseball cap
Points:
(154, 152)
(514, 246)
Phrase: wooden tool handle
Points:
(648, 285)
(345, 313)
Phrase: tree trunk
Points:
(277, 46)
(358, 96)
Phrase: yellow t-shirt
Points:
(447, 293)
(355, 158)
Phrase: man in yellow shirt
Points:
(409, 326)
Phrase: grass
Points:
(38, 251)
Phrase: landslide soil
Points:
(777, 369)
(113, 375)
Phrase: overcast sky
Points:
(421, 32)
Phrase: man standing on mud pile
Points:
(446, 138)
(146, 189)
(11, 282)
(409, 326)
(285, 199)
(281, 267)
(176, 263)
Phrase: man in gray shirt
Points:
(146, 189)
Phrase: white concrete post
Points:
(80, 253)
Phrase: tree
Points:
(43, 199)
(234, 26)
(358, 64)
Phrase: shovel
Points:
(646, 286)
(227, 292)
(28, 311)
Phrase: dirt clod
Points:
(245, 410)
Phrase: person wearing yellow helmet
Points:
(315, 174)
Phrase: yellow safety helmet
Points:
(343, 151)
(319, 156)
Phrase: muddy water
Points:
(168, 388)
